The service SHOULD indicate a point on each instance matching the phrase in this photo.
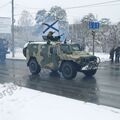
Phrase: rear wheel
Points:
(34, 67)
(90, 72)
(68, 70)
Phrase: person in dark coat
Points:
(51, 38)
(117, 54)
(112, 54)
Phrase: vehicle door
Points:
(54, 59)
(44, 55)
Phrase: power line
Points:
(22, 6)
(4, 5)
(33, 13)
(74, 7)
(92, 5)
(84, 6)
(102, 5)
(22, 14)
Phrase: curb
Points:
(15, 59)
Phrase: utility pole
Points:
(93, 34)
(12, 29)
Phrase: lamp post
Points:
(12, 29)
(93, 34)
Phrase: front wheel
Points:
(90, 72)
(34, 67)
(68, 70)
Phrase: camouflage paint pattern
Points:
(50, 55)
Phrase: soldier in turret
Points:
(51, 38)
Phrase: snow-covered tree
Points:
(55, 13)
(58, 13)
(79, 31)
(86, 33)
(118, 33)
(23, 32)
(103, 33)
(40, 16)
(106, 36)
(25, 19)
(105, 21)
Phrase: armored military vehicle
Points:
(65, 58)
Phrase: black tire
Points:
(68, 70)
(90, 72)
(34, 67)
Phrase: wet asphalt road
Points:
(103, 88)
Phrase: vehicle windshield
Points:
(69, 48)
(65, 48)
(75, 47)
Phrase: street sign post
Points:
(93, 26)
(93, 34)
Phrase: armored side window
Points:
(33, 48)
(76, 47)
(65, 49)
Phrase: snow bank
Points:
(18, 54)
(103, 56)
(27, 104)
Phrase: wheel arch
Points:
(24, 51)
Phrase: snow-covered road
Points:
(18, 103)
(27, 104)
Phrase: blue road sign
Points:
(94, 25)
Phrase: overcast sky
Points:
(111, 11)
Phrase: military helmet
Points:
(50, 32)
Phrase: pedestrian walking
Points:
(112, 54)
(117, 54)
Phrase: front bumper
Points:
(91, 65)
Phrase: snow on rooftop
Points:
(27, 104)
(38, 42)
